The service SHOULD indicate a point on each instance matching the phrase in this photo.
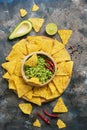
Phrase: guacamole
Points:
(39, 70)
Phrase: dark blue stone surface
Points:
(67, 14)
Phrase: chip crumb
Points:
(26, 108)
(37, 123)
(23, 12)
(35, 7)
(60, 124)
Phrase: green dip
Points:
(39, 70)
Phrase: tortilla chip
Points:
(65, 35)
(61, 56)
(37, 123)
(60, 107)
(23, 12)
(21, 86)
(9, 66)
(35, 80)
(69, 67)
(52, 87)
(35, 100)
(34, 39)
(17, 70)
(26, 108)
(37, 23)
(32, 61)
(32, 48)
(65, 68)
(50, 95)
(58, 46)
(14, 55)
(6, 75)
(29, 94)
(47, 45)
(40, 91)
(61, 83)
(60, 124)
(12, 84)
(21, 46)
(35, 8)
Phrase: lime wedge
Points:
(21, 29)
(51, 29)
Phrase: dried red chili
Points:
(48, 67)
(49, 114)
(44, 118)
(50, 63)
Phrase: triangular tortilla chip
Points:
(37, 23)
(32, 61)
(26, 108)
(58, 46)
(32, 48)
(60, 106)
(14, 55)
(47, 45)
(35, 7)
(65, 35)
(9, 66)
(50, 95)
(29, 94)
(62, 55)
(52, 87)
(12, 85)
(6, 75)
(69, 67)
(21, 86)
(64, 68)
(61, 83)
(17, 70)
(60, 124)
(35, 80)
(40, 91)
(35, 100)
(21, 46)
(34, 39)
(34, 43)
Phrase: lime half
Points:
(51, 29)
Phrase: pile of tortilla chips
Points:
(56, 87)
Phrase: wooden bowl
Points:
(43, 54)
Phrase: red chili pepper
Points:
(44, 118)
(50, 62)
(51, 115)
(48, 67)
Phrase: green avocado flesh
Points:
(21, 29)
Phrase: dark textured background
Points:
(67, 14)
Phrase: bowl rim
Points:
(22, 68)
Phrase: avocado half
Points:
(21, 29)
